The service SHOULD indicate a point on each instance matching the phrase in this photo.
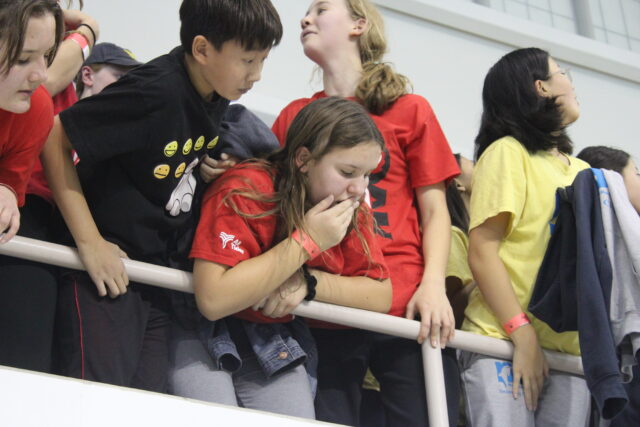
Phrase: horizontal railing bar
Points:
(63, 256)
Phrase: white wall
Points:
(444, 46)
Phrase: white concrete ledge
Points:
(31, 399)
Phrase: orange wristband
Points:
(515, 322)
(82, 42)
(307, 243)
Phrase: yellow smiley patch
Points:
(213, 143)
(199, 143)
(161, 171)
(171, 148)
(180, 170)
(187, 147)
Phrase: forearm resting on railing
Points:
(357, 292)
(221, 291)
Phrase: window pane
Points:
(497, 4)
(601, 35)
(618, 40)
(516, 8)
(596, 13)
(562, 7)
(612, 14)
(616, 22)
(564, 24)
(541, 4)
(631, 12)
(541, 16)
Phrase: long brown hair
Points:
(380, 85)
(14, 19)
(320, 127)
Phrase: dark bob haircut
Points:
(605, 158)
(255, 24)
(512, 105)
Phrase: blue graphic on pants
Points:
(505, 377)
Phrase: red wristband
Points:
(515, 322)
(82, 42)
(307, 243)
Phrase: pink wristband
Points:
(82, 41)
(307, 243)
(515, 322)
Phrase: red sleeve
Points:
(428, 153)
(24, 141)
(225, 237)
(65, 99)
(356, 261)
(286, 116)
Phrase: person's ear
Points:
(86, 74)
(359, 27)
(542, 88)
(461, 188)
(200, 49)
(303, 155)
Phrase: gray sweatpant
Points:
(192, 374)
(487, 384)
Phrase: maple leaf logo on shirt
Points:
(235, 243)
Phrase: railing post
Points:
(434, 384)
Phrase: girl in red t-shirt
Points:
(273, 233)
(23, 68)
(345, 38)
(30, 31)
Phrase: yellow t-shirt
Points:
(458, 266)
(507, 178)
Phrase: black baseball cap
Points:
(109, 53)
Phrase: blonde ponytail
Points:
(380, 85)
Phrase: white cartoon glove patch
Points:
(182, 196)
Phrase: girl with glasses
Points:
(523, 154)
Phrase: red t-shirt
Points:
(38, 183)
(227, 238)
(21, 139)
(417, 154)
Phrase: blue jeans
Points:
(193, 374)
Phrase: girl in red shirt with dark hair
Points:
(273, 233)
(30, 31)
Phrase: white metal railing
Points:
(63, 256)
